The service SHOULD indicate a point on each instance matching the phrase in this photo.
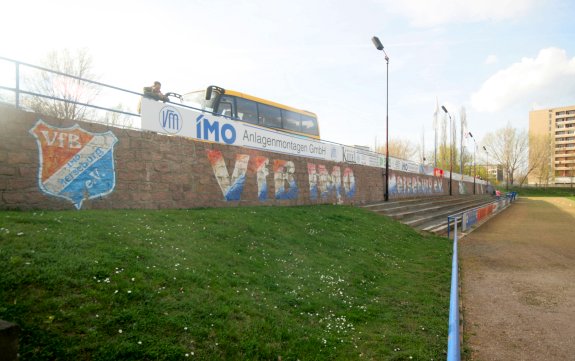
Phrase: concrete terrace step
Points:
(395, 207)
(428, 208)
(439, 225)
(430, 213)
(440, 216)
(402, 202)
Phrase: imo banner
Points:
(74, 164)
(169, 118)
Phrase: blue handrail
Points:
(453, 342)
(453, 336)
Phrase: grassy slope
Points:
(308, 283)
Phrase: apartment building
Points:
(557, 127)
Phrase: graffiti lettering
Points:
(406, 185)
(349, 183)
(75, 169)
(323, 183)
(95, 174)
(285, 181)
(73, 140)
(233, 187)
(284, 173)
(261, 164)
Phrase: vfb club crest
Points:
(75, 164)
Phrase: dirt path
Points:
(518, 283)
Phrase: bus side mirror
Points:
(209, 93)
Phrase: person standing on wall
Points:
(153, 92)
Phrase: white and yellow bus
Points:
(254, 110)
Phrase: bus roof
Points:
(269, 102)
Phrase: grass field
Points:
(296, 283)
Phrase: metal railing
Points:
(511, 196)
(19, 91)
(453, 337)
(22, 91)
(453, 334)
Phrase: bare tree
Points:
(540, 159)
(64, 97)
(572, 174)
(117, 118)
(399, 148)
(421, 149)
(510, 149)
(443, 142)
(462, 137)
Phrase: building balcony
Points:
(571, 143)
(565, 161)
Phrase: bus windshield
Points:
(198, 99)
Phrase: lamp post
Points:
(450, 148)
(487, 175)
(474, 170)
(379, 46)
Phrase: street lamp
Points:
(487, 175)
(379, 46)
(474, 170)
(450, 148)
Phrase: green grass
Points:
(543, 191)
(300, 283)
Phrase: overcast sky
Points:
(498, 59)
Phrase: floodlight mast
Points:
(379, 46)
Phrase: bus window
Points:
(255, 110)
(269, 116)
(247, 110)
(225, 107)
(309, 125)
(291, 120)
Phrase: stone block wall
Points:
(48, 163)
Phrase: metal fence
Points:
(24, 85)
(19, 85)
(118, 107)
(472, 216)
(453, 337)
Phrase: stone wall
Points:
(48, 163)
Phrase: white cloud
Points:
(548, 78)
(491, 59)
(426, 13)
